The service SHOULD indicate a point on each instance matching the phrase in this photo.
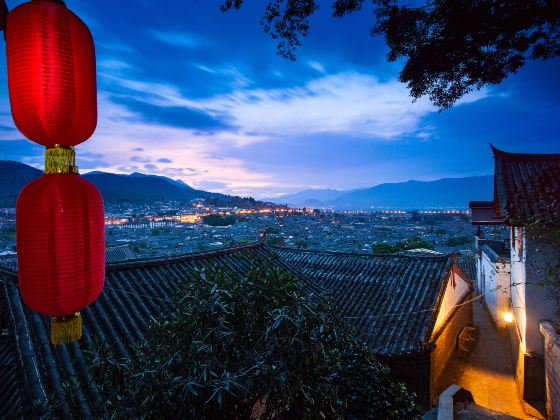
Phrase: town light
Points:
(508, 317)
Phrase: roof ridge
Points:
(147, 262)
(152, 262)
(361, 254)
(525, 156)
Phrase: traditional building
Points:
(120, 253)
(408, 309)
(527, 202)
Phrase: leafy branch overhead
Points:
(449, 47)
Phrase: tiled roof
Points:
(527, 187)
(467, 264)
(390, 300)
(8, 262)
(11, 386)
(417, 252)
(119, 253)
(113, 254)
(134, 293)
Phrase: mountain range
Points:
(140, 188)
(442, 193)
(134, 188)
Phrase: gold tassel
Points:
(66, 329)
(60, 159)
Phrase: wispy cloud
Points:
(181, 39)
(114, 65)
(315, 65)
(197, 156)
(349, 103)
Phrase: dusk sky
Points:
(188, 92)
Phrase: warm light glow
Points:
(508, 317)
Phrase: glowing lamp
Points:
(60, 231)
(51, 73)
(508, 317)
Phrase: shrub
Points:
(249, 346)
(219, 220)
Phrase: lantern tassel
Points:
(66, 329)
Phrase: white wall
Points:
(457, 287)
(518, 285)
(539, 256)
(496, 278)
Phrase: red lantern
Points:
(51, 73)
(61, 245)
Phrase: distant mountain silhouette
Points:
(133, 188)
(316, 196)
(143, 188)
(442, 193)
(176, 182)
(13, 177)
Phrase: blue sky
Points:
(188, 92)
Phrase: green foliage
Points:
(272, 229)
(219, 219)
(275, 240)
(415, 242)
(238, 202)
(201, 246)
(384, 248)
(248, 346)
(458, 240)
(302, 243)
(448, 47)
(412, 243)
(8, 233)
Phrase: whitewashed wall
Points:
(530, 258)
(457, 287)
(496, 277)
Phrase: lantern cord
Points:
(3, 15)
(137, 294)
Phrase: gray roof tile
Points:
(134, 293)
(527, 187)
(391, 300)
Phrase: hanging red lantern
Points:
(51, 73)
(60, 232)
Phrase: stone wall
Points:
(552, 369)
